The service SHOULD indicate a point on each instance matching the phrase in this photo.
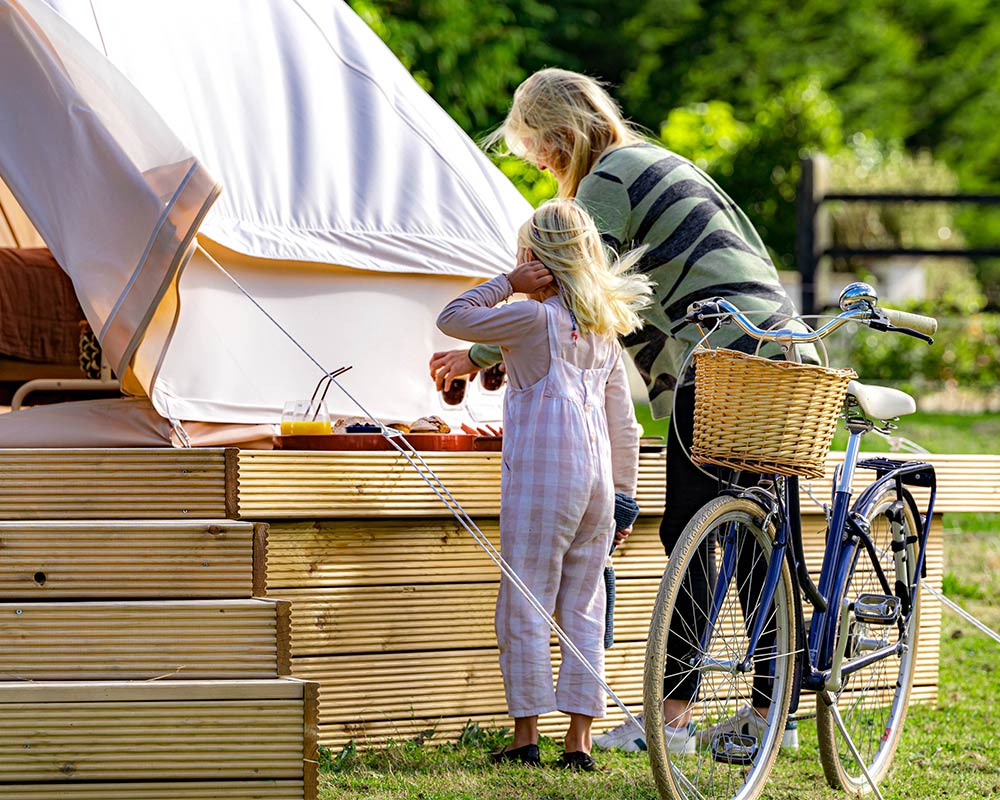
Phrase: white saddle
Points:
(881, 402)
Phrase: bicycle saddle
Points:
(881, 402)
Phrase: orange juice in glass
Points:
(299, 418)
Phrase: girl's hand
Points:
(621, 536)
(450, 364)
(529, 277)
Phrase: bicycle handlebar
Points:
(885, 319)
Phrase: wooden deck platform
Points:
(390, 602)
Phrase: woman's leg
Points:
(688, 489)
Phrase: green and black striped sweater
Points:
(699, 244)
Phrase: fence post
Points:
(812, 226)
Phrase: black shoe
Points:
(527, 755)
(578, 761)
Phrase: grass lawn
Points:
(949, 749)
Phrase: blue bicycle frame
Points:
(844, 537)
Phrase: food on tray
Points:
(363, 427)
(399, 426)
(486, 430)
(340, 425)
(429, 425)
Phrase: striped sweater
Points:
(699, 245)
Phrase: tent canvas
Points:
(353, 206)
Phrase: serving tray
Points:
(375, 441)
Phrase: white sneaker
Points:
(628, 738)
(625, 737)
(745, 722)
(681, 740)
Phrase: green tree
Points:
(469, 55)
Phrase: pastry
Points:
(429, 425)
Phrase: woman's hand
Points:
(448, 365)
(529, 277)
(622, 535)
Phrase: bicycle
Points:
(744, 654)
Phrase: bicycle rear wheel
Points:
(731, 755)
(872, 701)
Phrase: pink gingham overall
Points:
(556, 527)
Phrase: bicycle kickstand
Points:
(831, 703)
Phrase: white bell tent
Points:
(352, 207)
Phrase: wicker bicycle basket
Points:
(759, 415)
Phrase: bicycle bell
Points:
(858, 295)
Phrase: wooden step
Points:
(175, 790)
(62, 559)
(157, 731)
(145, 640)
(137, 483)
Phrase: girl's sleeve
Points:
(623, 431)
(471, 315)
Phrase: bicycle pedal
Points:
(876, 609)
(734, 748)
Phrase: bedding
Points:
(39, 313)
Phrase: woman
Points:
(571, 443)
(698, 244)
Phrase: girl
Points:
(570, 442)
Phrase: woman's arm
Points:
(623, 431)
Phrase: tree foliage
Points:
(744, 86)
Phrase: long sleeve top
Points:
(519, 329)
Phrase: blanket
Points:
(39, 313)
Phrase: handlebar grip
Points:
(917, 322)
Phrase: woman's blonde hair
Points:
(602, 291)
(568, 115)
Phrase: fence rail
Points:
(814, 234)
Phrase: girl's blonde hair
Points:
(570, 117)
(602, 291)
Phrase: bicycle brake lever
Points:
(880, 322)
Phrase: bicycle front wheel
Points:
(696, 658)
(872, 701)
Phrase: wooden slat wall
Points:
(144, 640)
(177, 790)
(284, 484)
(394, 620)
(141, 483)
(64, 559)
(315, 485)
(155, 731)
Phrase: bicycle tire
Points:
(872, 701)
(701, 774)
